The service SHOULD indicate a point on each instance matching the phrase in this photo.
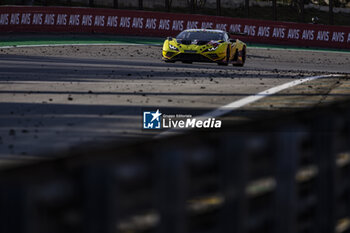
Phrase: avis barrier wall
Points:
(145, 23)
(293, 178)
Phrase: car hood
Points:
(198, 42)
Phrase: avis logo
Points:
(151, 120)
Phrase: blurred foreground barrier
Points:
(158, 24)
(292, 178)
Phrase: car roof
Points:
(204, 30)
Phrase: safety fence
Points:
(282, 175)
(274, 8)
(125, 22)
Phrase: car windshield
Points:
(200, 35)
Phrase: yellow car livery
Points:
(204, 45)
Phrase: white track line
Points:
(245, 101)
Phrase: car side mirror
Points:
(169, 38)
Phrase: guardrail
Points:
(298, 7)
(283, 175)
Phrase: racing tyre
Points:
(167, 61)
(244, 56)
(227, 58)
(222, 64)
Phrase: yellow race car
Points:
(204, 45)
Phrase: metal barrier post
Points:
(234, 178)
(326, 161)
(193, 6)
(287, 144)
(274, 9)
(140, 4)
(218, 7)
(99, 199)
(16, 213)
(331, 15)
(167, 5)
(302, 9)
(115, 4)
(171, 191)
(347, 141)
(246, 5)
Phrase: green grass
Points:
(79, 39)
(295, 48)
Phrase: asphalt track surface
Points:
(53, 98)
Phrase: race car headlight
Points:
(172, 47)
